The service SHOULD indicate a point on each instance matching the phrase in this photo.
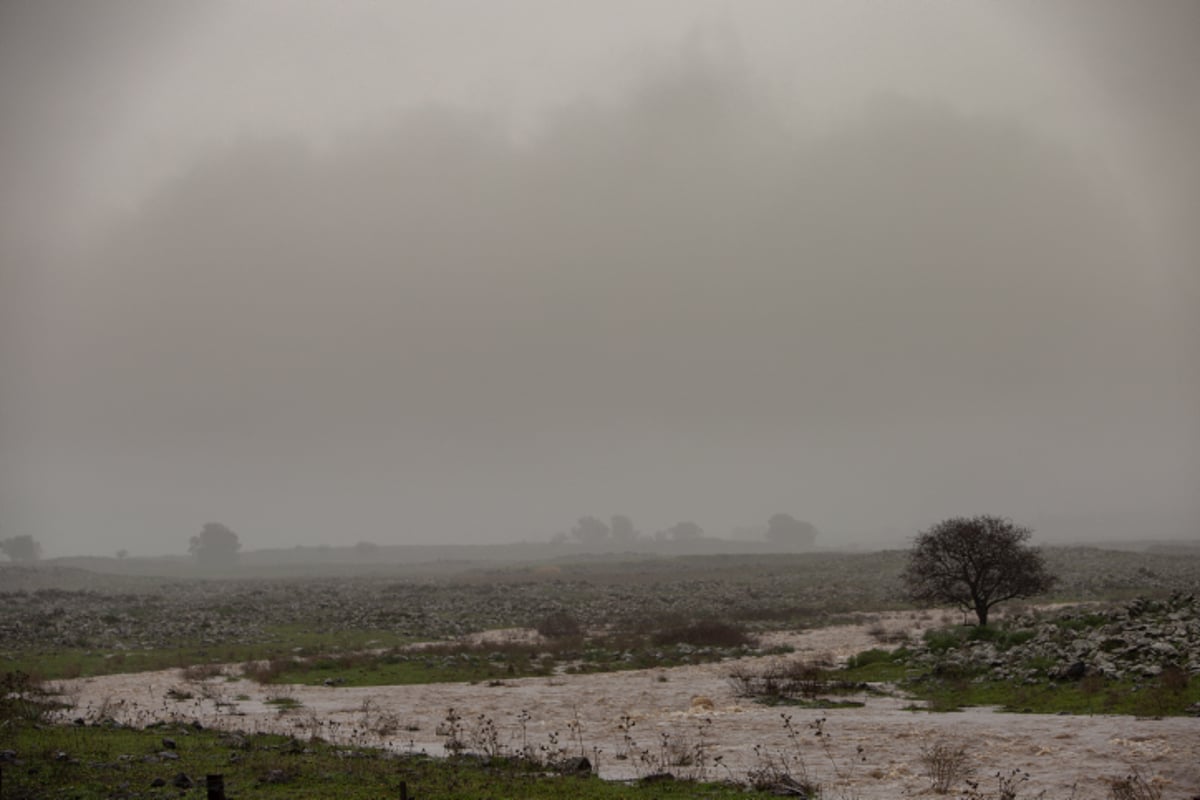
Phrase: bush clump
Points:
(25, 699)
(559, 625)
(705, 633)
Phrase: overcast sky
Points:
(450, 271)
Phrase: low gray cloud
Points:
(674, 303)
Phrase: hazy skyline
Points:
(431, 272)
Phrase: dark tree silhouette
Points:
(622, 528)
(590, 530)
(21, 548)
(787, 530)
(215, 546)
(975, 563)
(682, 532)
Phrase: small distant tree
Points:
(215, 546)
(21, 548)
(590, 530)
(784, 529)
(975, 563)
(622, 528)
(122, 554)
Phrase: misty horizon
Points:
(691, 282)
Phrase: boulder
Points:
(574, 766)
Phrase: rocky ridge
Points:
(1131, 641)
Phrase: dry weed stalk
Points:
(946, 764)
(1133, 787)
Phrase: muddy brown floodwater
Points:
(869, 752)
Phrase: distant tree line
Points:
(782, 529)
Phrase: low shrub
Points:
(1133, 787)
(267, 671)
(704, 633)
(559, 625)
(25, 699)
(787, 681)
(946, 764)
(201, 672)
(873, 656)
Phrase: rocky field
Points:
(48, 607)
(1121, 634)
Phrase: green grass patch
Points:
(95, 762)
(1002, 638)
(942, 639)
(404, 668)
(284, 702)
(877, 666)
(1167, 695)
(277, 642)
(456, 663)
(817, 703)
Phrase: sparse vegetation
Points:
(99, 761)
(25, 699)
(704, 633)
(284, 702)
(1133, 787)
(946, 764)
(794, 682)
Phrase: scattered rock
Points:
(658, 777)
(574, 766)
(275, 776)
(1074, 672)
(1139, 639)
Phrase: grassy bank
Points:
(99, 762)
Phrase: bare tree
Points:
(975, 563)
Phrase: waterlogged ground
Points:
(688, 721)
